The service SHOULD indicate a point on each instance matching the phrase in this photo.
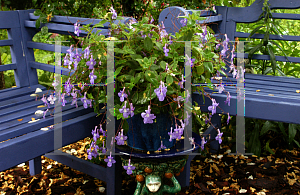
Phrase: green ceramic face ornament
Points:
(154, 186)
(153, 183)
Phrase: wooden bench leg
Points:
(214, 144)
(184, 177)
(114, 178)
(35, 166)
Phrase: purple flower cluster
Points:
(129, 168)
(213, 107)
(114, 13)
(161, 91)
(148, 118)
(121, 138)
(76, 29)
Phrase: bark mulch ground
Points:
(221, 174)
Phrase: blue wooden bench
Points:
(21, 141)
(266, 97)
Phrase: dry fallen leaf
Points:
(34, 95)
(271, 94)
(38, 90)
(258, 90)
(20, 119)
(298, 91)
(41, 106)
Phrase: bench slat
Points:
(83, 21)
(27, 109)
(277, 58)
(8, 67)
(19, 100)
(272, 37)
(37, 143)
(48, 47)
(286, 16)
(62, 28)
(7, 42)
(17, 92)
(69, 113)
(49, 68)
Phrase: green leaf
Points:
(37, 12)
(272, 58)
(38, 23)
(268, 147)
(159, 46)
(119, 18)
(254, 49)
(292, 132)
(118, 71)
(254, 31)
(100, 24)
(169, 79)
(266, 38)
(200, 69)
(163, 64)
(297, 143)
(268, 69)
(152, 77)
(254, 142)
(208, 66)
(148, 44)
(266, 127)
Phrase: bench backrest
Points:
(226, 19)
(10, 21)
(21, 29)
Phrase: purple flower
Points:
(220, 88)
(218, 45)
(232, 56)
(121, 138)
(186, 121)
(44, 99)
(68, 86)
(213, 107)
(171, 135)
(51, 99)
(76, 29)
(192, 141)
(189, 61)
(114, 13)
(148, 118)
(74, 100)
(187, 96)
(63, 101)
(163, 33)
(131, 110)
(122, 95)
(103, 149)
(45, 112)
(166, 50)
(228, 118)
(95, 134)
(86, 101)
(170, 40)
(77, 56)
(110, 160)
(225, 46)
(183, 22)
(179, 98)
(181, 82)
(204, 34)
(86, 52)
(71, 53)
(218, 137)
(203, 142)
(152, 20)
(161, 91)
(92, 77)
(161, 146)
(91, 63)
(129, 168)
(228, 99)
(125, 111)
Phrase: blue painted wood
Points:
(5, 23)
(49, 68)
(48, 47)
(35, 166)
(27, 35)
(271, 37)
(182, 178)
(8, 67)
(6, 42)
(26, 148)
(22, 138)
